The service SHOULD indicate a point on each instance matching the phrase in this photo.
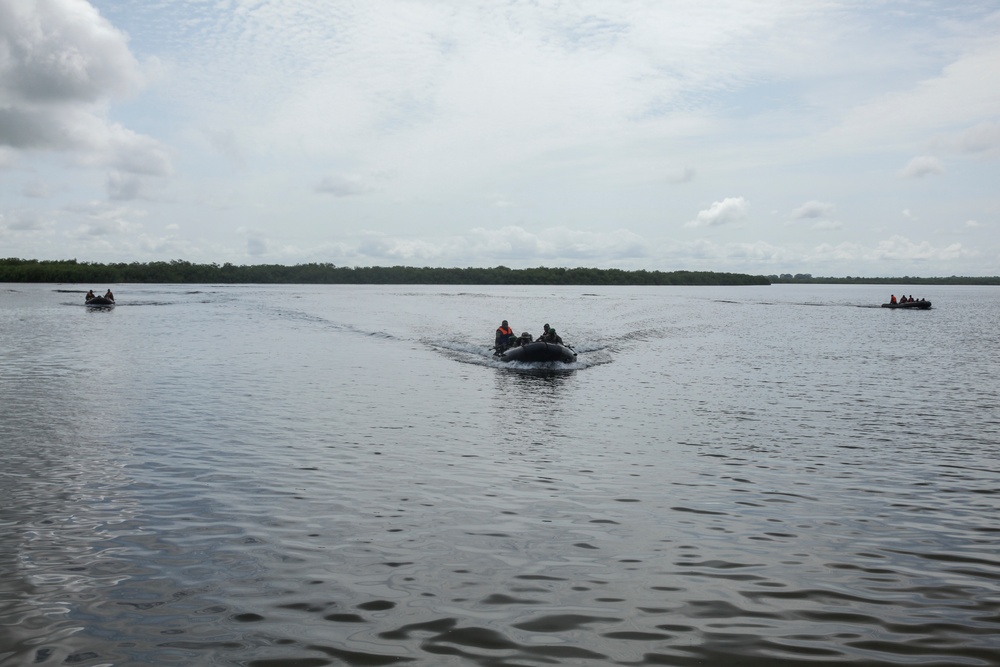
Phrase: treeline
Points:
(178, 271)
(904, 280)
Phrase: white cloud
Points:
(61, 51)
(62, 65)
(730, 209)
(896, 255)
(921, 166)
(821, 213)
(812, 210)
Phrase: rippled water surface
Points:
(342, 475)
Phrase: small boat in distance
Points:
(100, 302)
(922, 304)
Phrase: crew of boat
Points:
(92, 299)
(907, 302)
(549, 346)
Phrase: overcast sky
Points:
(762, 136)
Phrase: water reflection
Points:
(530, 406)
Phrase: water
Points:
(289, 476)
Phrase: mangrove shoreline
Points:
(14, 270)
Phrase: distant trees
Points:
(180, 271)
(13, 270)
(904, 280)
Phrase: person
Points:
(524, 339)
(505, 336)
(108, 295)
(544, 337)
(554, 337)
(90, 295)
(910, 299)
(892, 299)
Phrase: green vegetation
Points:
(905, 280)
(177, 271)
(14, 270)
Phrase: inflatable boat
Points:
(922, 304)
(539, 352)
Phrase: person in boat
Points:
(525, 339)
(550, 336)
(505, 336)
(109, 296)
(910, 299)
(892, 298)
(544, 337)
(90, 295)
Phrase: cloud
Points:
(812, 210)
(819, 212)
(226, 143)
(730, 209)
(983, 138)
(554, 129)
(510, 245)
(901, 248)
(555, 243)
(257, 246)
(827, 225)
(341, 185)
(37, 190)
(62, 65)
(105, 220)
(61, 51)
(499, 201)
(25, 222)
(957, 96)
(685, 175)
(921, 166)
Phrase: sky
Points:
(830, 137)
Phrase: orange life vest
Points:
(506, 332)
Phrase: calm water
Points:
(301, 476)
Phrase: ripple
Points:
(350, 498)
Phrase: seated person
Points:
(109, 296)
(505, 336)
(524, 339)
(554, 337)
(90, 295)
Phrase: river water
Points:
(295, 476)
